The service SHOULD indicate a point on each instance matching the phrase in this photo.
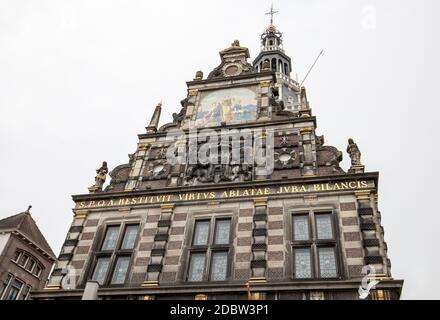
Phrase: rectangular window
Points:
(12, 294)
(25, 292)
(201, 233)
(196, 267)
(111, 237)
(120, 271)
(130, 236)
(113, 259)
(301, 228)
(30, 266)
(16, 256)
(4, 285)
(303, 264)
(314, 246)
(23, 260)
(101, 269)
(222, 231)
(37, 271)
(324, 227)
(219, 266)
(327, 263)
(14, 290)
(209, 254)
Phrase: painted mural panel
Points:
(230, 105)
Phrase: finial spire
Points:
(29, 209)
(154, 123)
(271, 12)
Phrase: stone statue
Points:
(355, 154)
(199, 75)
(101, 174)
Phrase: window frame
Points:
(314, 244)
(30, 258)
(11, 285)
(209, 249)
(115, 253)
(9, 278)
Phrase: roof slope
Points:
(25, 224)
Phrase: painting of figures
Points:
(230, 105)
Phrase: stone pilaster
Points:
(259, 240)
(307, 152)
(370, 227)
(63, 266)
(155, 266)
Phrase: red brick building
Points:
(26, 258)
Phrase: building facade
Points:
(26, 258)
(269, 215)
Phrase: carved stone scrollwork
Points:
(333, 159)
(158, 152)
(233, 62)
(285, 158)
(286, 141)
(119, 177)
(156, 170)
(214, 173)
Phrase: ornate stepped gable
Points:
(307, 219)
(148, 167)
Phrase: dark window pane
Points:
(303, 267)
(101, 269)
(5, 284)
(327, 263)
(14, 290)
(120, 272)
(25, 292)
(30, 265)
(219, 266)
(201, 233)
(129, 237)
(16, 256)
(12, 293)
(23, 260)
(222, 231)
(37, 271)
(196, 267)
(324, 226)
(301, 228)
(111, 236)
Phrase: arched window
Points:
(28, 262)
(273, 65)
(286, 69)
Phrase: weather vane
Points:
(271, 12)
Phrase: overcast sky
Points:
(80, 79)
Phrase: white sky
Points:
(80, 79)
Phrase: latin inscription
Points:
(226, 194)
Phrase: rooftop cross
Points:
(271, 12)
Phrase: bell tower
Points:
(273, 58)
